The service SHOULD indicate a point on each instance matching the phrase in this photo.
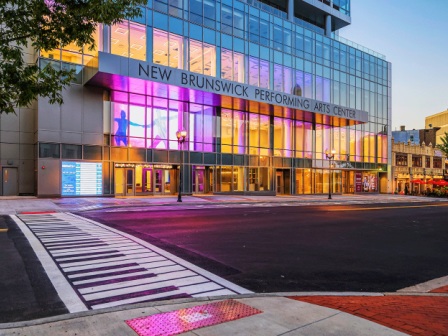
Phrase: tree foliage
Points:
(444, 146)
(47, 25)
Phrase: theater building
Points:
(262, 90)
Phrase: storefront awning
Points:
(129, 75)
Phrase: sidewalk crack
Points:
(308, 324)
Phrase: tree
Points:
(444, 146)
(47, 25)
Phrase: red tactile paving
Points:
(413, 315)
(183, 320)
(443, 289)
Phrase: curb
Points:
(65, 317)
(72, 316)
(235, 202)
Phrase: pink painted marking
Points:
(183, 320)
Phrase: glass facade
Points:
(251, 43)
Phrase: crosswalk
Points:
(108, 268)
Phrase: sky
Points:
(413, 35)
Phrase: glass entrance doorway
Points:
(143, 180)
(202, 180)
(282, 181)
(348, 182)
(124, 182)
(198, 181)
(162, 182)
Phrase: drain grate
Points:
(183, 320)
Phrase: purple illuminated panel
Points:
(183, 320)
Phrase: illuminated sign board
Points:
(81, 178)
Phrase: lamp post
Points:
(181, 135)
(330, 156)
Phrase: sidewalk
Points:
(14, 205)
(280, 316)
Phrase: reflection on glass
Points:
(196, 57)
(264, 74)
(264, 135)
(226, 64)
(278, 75)
(287, 80)
(160, 49)
(238, 67)
(137, 41)
(175, 51)
(254, 64)
(209, 60)
(254, 131)
(120, 39)
(226, 131)
(226, 176)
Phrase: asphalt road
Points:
(25, 290)
(322, 248)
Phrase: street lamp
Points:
(181, 135)
(330, 156)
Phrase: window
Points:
(427, 162)
(128, 39)
(401, 160)
(232, 66)
(72, 152)
(254, 64)
(282, 137)
(264, 74)
(92, 152)
(49, 150)
(437, 162)
(168, 49)
(416, 161)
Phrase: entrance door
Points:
(124, 182)
(129, 178)
(147, 180)
(280, 183)
(162, 182)
(198, 181)
(348, 182)
(10, 182)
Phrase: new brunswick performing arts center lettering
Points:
(206, 83)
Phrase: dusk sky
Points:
(413, 34)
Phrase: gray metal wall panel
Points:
(27, 138)
(26, 152)
(92, 139)
(27, 120)
(9, 151)
(26, 177)
(9, 122)
(49, 136)
(48, 179)
(71, 110)
(9, 137)
(71, 138)
(93, 110)
(49, 116)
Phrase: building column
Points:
(106, 47)
(328, 26)
(290, 5)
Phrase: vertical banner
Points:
(358, 182)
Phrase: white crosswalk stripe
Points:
(108, 268)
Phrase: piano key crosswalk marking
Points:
(106, 268)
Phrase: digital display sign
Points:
(81, 178)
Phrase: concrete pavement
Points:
(15, 205)
(281, 316)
